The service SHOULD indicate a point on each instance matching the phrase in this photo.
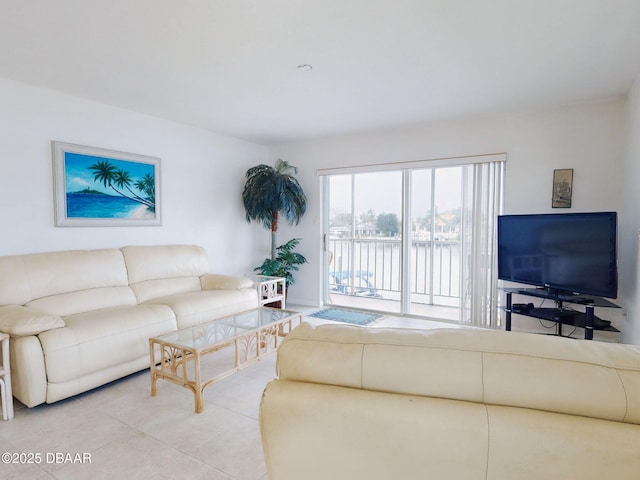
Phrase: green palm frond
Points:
(104, 172)
(285, 262)
(110, 176)
(269, 191)
(122, 178)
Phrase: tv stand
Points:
(586, 320)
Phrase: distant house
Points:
(447, 227)
(362, 230)
(366, 230)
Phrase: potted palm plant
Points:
(285, 262)
(270, 192)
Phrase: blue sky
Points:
(78, 176)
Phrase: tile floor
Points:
(120, 431)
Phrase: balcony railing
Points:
(372, 267)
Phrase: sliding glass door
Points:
(434, 282)
(415, 241)
(364, 240)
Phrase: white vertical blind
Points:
(483, 189)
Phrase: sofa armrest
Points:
(20, 321)
(212, 281)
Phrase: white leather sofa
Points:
(353, 402)
(80, 319)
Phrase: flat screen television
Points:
(565, 253)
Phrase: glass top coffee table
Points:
(176, 356)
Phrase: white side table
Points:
(270, 289)
(5, 379)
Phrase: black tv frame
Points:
(573, 293)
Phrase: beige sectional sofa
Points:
(353, 402)
(80, 319)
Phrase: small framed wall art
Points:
(562, 188)
(94, 187)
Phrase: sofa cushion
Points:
(157, 271)
(164, 261)
(313, 431)
(24, 278)
(492, 367)
(193, 308)
(81, 301)
(150, 289)
(101, 339)
(322, 432)
(213, 281)
(19, 321)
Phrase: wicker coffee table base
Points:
(171, 361)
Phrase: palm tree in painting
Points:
(148, 186)
(120, 181)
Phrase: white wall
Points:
(629, 261)
(202, 175)
(588, 138)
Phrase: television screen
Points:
(573, 253)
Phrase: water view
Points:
(99, 205)
(435, 269)
(366, 217)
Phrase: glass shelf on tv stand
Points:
(582, 320)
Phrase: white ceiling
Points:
(230, 65)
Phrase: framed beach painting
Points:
(95, 187)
